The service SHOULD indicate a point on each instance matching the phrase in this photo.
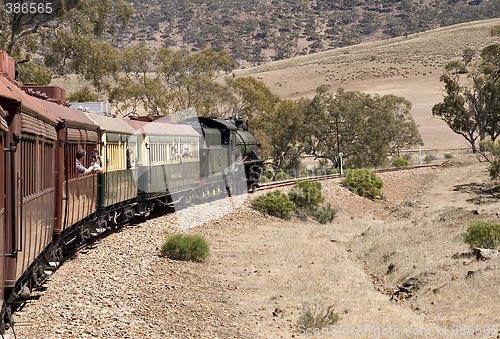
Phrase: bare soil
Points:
(281, 268)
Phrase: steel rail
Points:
(287, 182)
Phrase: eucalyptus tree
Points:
(471, 105)
(252, 97)
(364, 128)
(165, 81)
(278, 124)
(69, 34)
(281, 134)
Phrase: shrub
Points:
(429, 158)
(448, 156)
(264, 179)
(332, 170)
(274, 203)
(495, 169)
(306, 194)
(407, 157)
(301, 213)
(324, 214)
(281, 176)
(363, 182)
(399, 162)
(185, 247)
(483, 234)
(314, 317)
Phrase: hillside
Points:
(259, 31)
(407, 66)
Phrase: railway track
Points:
(289, 182)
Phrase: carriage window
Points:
(116, 156)
(48, 168)
(72, 148)
(28, 167)
(37, 164)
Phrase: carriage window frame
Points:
(37, 164)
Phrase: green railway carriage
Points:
(168, 161)
(117, 152)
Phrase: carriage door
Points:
(3, 129)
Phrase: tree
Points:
(471, 107)
(32, 73)
(252, 97)
(281, 134)
(83, 95)
(364, 128)
(19, 27)
(70, 34)
(491, 152)
(402, 129)
(166, 81)
(322, 127)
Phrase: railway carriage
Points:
(75, 201)
(29, 167)
(3, 307)
(168, 163)
(117, 188)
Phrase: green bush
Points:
(363, 182)
(495, 169)
(300, 213)
(188, 247)
(483, 234)
(448, 156)
(407, 157)
(281, 176)
(314, 317)
(274, 203)
(399, 162)
(264, 179)
(306, 194)
(324, 214)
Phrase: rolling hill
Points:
(406, 66)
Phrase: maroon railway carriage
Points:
(29, 172)
(75, 202)
(46, 199)
(3, 133)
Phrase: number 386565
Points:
(28, 7)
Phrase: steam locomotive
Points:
(48, 209)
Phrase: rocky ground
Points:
(395, 267)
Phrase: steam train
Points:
(48, 209)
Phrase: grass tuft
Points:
(317, 317)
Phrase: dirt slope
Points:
(280, 268)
